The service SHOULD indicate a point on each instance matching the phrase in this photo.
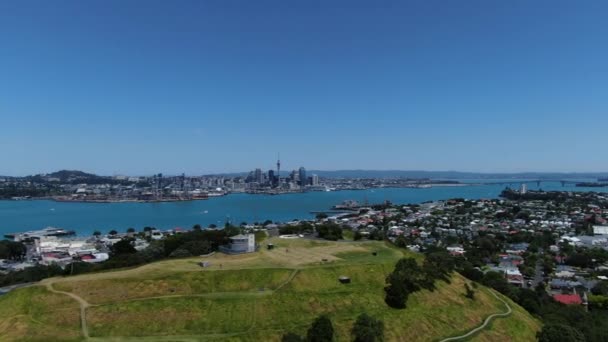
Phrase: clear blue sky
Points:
(136, 87)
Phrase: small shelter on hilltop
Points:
(239, 244)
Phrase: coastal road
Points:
(7, 289)
(538, 270)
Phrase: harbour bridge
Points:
(535, 181)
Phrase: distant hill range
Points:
(441, 174)
(75, 176)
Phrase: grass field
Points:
(34, 314)
(253, 297)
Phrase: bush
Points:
(357, 236)
(600, 289)
(180, 253)
(197, 247)
(321, 330)
(368, 329)
(330, 231)
(561, 333)
(124, 246)
(12, 250)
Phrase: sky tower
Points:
(279, 169)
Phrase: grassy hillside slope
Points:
(253, 297)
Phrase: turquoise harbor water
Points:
(84, 218)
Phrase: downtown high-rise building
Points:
(302, 176)
(314, 180)
(258, 176)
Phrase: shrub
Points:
(368, 329)
(321, 330)
(560, 332)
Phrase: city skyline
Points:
(210, 87)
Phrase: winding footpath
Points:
(84, 305)
(485, 323)
(83, 308)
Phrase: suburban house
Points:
(568, 299)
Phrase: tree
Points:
(180, 253)
(438, 265)
(330, 231)
(396, 292)
(131, 230)
(112, 232)
(4, 251)
(560, 332)
(12, 250)
(357, 236)
(368, 329)
(406, 278)
(321, 330)
(197, 227)
(96, 233)
(122, 247)
(197, 247)
(600, 289)
(321, 216)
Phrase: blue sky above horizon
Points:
(137, 87)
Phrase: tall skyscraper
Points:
(293, 176)
(271, 177)
(258, 176)
(302, 177)
(315, 180)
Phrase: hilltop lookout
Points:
(239, 244)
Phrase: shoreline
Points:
(60, 200)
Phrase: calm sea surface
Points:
(84, 218)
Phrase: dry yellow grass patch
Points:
(296, 255)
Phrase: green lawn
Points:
(34, 314)
(254, 297)
(176, 283)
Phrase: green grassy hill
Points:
(251, 297)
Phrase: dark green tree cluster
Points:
(560, 332)
(14, 190)
(329, 231)
(300, 228)
(197, 242)
(12, 250)
(587, 257)
(365, 329)
(368, 329)
(122, 247)
(30, 274)
(409, 277)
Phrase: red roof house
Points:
(568, 299)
